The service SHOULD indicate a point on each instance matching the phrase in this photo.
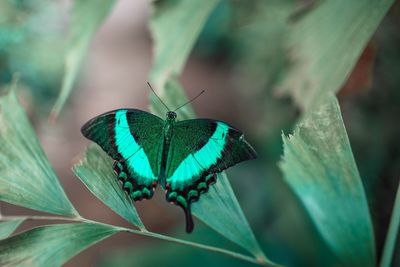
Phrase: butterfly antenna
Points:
(162, 102)
(190, 101)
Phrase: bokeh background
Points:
(238, 66)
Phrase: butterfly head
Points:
(171, 116)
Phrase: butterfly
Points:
(183, 157)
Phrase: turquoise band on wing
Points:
(133, 154)
(194, 164)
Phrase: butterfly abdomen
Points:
(135, 191)
(168, 131)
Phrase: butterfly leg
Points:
(184, 198)
(136, 191)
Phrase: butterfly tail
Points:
(189, 219)
(184, 203)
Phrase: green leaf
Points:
(220, 201)
(262, 62)
(326, 43)
(96, 172)
(319, 166)
(86, 18)
(175, 26)
(51, 245)
(173, 96)
(172, 255)
(26, 176)
(220, 209)
(392, 234)
(8, 227)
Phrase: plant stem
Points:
(263, 262)
(390, 242)
(259, 261)
(50, 218)
(202, 246)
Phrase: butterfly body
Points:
(183, 157)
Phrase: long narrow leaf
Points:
(175, 26)
(174, 98)
(26, 177)
(220, 210)
(51, 245)
(392, 234)
(319, 166)
(8, 227)
(86, 18)
(96, 172)
(325, 43)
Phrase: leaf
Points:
(319, 166)
(8, 227)
(172, 255)
(96, 172)
(361, 77)
(326, 48)
(175, 26)
(26, 176)
(51, 245)
(174, 98)
(392, 234)
(261, 62)
(220, 210)
(220, 201)
(86, 18)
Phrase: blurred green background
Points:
(240, 58)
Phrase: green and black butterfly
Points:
(182, 156)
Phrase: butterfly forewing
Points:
(134, 139)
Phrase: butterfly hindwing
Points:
(199, 149)
(133, 138)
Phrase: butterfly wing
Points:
(133, 138)
(199, 149)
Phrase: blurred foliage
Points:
(175, 26)
(324, 48)
(260, 43)
(8, 227)
(173, 99)
(84, 24)
(40, 26)
(31, 42)
(371, 117)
